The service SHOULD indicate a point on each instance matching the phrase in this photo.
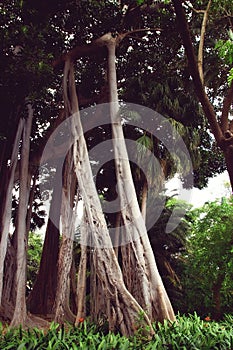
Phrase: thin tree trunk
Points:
(82, 276)
(20, 312)
(6, 218)
(217, 297)
(73, 288)
(30, 202)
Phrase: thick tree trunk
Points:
(61, 306)
(42, 297)
(20, 312)
(141, 273)
(9, 291)
(6, 218)
(124, 309)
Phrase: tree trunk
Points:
(42, 297)
(61, 306)
(82, 276)
(9, 291)
(30, 202)
(6, 218)
(124, 309)
(217, 297)
(117, 233)
(144, 200)
(20, 312)
(141, 273)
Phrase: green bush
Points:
(187, 333)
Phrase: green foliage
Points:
(209, 261)
(35, 243)
(187, 333)
(225, 51)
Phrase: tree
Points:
(220, 127)
(82, 40)
(209, 260)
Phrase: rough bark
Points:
(117, 233)
(124, 309)
(42, 297)
(9, 291)
(20, 312)
(144, 200)
(68, 213)
(82, 276)
(141, 273)
(6, 218)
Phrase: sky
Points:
(216, 189)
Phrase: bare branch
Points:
(201, 44)
(187, 4)
(203, 98)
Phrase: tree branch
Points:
(96, 47)
(200, 91)
(81, 51)
(201, 44)
(187, 4)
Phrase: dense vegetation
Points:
(188, 333)
(79, 74)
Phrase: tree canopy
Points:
(57, 59)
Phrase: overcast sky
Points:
(216, 189)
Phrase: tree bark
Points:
(124, 309)
(82, 276)
(141, 273)
(6, 218)
(144, 200)
(42, 297)
(61, 307)
(20, 312)
(223, 141)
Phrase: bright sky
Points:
(216, 189)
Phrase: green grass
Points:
(187, 333)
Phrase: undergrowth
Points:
(191, 333)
